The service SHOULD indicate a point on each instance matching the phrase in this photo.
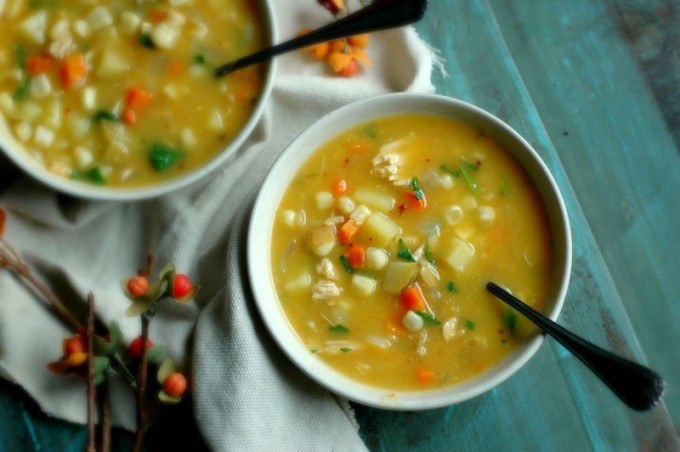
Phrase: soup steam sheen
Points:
(123, 93)
(385, 239)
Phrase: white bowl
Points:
(15, 150)
(281, 174)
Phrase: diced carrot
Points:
(129, 116)
(138, 97)
(415, 203)
(412, 298)
(157, 16)
(38, 64)
(339, 187)
(356, 255)
(73, 70)
(425, 375)
(348, 231)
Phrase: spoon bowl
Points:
(637, 386)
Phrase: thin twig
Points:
(12, 261)
(105, 407)
(91, 389)
(141, 387)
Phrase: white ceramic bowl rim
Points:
(260, 233)
(14, 150)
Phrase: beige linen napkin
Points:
(247, 395)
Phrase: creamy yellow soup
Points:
(385, 240)
(123, 93)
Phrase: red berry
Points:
(138, 286)
(136, 347)
(175, 384)
(73, 345)
(182, 286)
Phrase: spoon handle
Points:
(379, 15)
(639, 387)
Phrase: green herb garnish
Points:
(23, 90)
(105, 115)
(505, 187)
(163, 157)
(20, 56)
(451, 287)
(416, 189)
(346, 264)
(470, 325)
(510, 319)
(339, 328)
(464, 171)
(428, 318)
(200, 59)
(404, 252)
(93, 175)
(428, 254)
(345, 349)
(146, 41)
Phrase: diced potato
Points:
(399, 274)
(28, 111)
(447, 181)
(112, 64)
(449, 328)
(61, 168)
(321, 240)
(323, 200)
(83, 156)
(363, 285)
(288, 217)
(99, 18)
(78, 125)
(380, 230)
(6, 102)
(376, 258)
(360, 214)
(33, 28)
(23, 131)
(81, 28)
(53, 113)
(43, 136)
(164, 35)
(469, 202)
(89, 98)
(129, 22)
(412, 321)
(59, 28)
(345, 205)
(40, 86)
(299, 283)
(215, 121)
(458, 253)
(381, 201)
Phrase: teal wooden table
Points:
(595, 87)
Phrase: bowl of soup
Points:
(373, 238)
(119, 101)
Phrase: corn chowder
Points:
(123, 93)
(385, 239)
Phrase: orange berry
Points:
(73, 345)
(136, 347)
(137, 286)
(175, 384)
(360, 41)
(182, 286)
(351, 68)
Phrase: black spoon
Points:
(379, 15)
(639, 387)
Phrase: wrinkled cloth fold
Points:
(246, 394)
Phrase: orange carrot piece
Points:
(73, 70)
(157, 16)
(415, 203)
(425, 375)
(138, 98)
(348, 231)
(356, 255)
(339, 187)
(129, 116)
(38, 64)
(412, 298)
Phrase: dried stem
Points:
(105, 406)
(10, 259)
(142, 375)
(91, 389)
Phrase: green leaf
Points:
(345, 349)
(164, 370)
(346, 264)
(510, 318)
(163, 157)
(99, 378)
(116, 334)
(199, 59)
(470, 325)
(451, 287)
(22, 92)
(428, 254)
(339, 328)
(404, 252)
(103, 348)
(101, 363)
(139, 306)
(416, 189)
(469, 179)
(105, 115)
(167, 398)
(428, 318)
(154, 353)
(95, 176)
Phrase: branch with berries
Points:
(97, 353)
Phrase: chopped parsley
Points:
(404, 252)
(451, 287)
(510, 319)
(345, 349)
(428, 254)
(339, 328)
(346, 264)
(163, 157)
(428, 318)
(105, 115)
(470, 325)
(417, 191)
